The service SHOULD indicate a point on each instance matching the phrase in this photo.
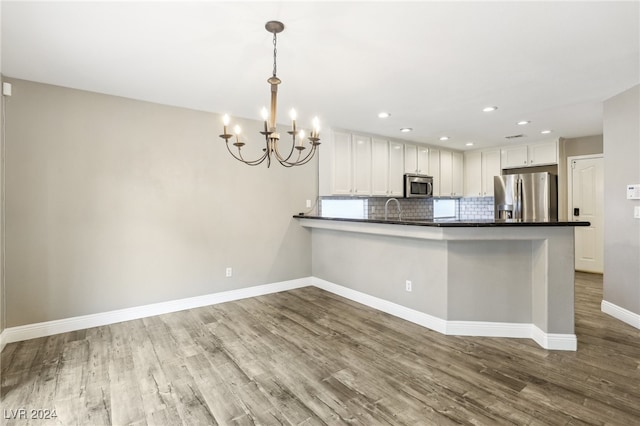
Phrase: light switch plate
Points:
(636, 212)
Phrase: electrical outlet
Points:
(229, 272)
(407, 285)
(308, 203)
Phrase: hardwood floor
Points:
(309, 357)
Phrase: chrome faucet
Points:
(386, 208)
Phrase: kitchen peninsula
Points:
(473, 278)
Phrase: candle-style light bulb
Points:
(225, 123)
(293, 116)
(265, 116)
(316, 127)
(301, 136)
(237, 130)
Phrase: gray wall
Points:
(621, 231)
(582, 146)
(114, 203)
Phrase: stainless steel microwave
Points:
(418, 186)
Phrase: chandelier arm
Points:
(280, 157)
(285, 161)
(303, 161)
(248, 162)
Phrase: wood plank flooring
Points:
(310, 357)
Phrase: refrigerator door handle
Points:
(518, 211)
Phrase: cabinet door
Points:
(379, 167)
(473, 174)
(544, 153)
(514, 156)
(457, 172)
(490, 168)
(410, 159)
(446, 173)
(361, 165)
(423, 160)
(434, 170)
(342, 164)
(396, 169)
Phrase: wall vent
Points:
(515, 136)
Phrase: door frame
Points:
(570, 189)
(570, 179)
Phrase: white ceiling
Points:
(432, 65)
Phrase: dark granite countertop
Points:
(448, 223)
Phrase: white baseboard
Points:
(622, 314)
(32, 331)
(567, 342)
(417, 317)
(562, 342)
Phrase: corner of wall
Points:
(621, 146)
(2, 207)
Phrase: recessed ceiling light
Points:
(444, 138)
(545, 132)
(406, 129)
(384, 115)
(523, 122)
(490, 108)
(469, 144)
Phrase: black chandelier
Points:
(272, 137)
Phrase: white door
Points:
(586, 203)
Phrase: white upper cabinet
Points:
(514, 156)
(342, 165)
(490, 169)
(379, 167)
(361, 165)
(543, 153)
(434, 170)
(473, 174)
(529, 155)
(410, 158)
(457, 172)
(396, 168)
(451, 174)
(387, 168)
(423, 160)
(416, 159)
(351, 167)
(479, 169)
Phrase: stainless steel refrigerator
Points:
(526, 196)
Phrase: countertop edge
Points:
(451, 224)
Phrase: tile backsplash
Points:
(412, 208)
(477, 208)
